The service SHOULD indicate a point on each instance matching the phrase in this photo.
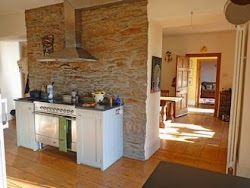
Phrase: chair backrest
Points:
(164, 93)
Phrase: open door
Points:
(182, 67)
(2, 160)
(3, 125)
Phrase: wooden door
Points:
(182, 67)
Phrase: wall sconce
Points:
(203, 49)
(168, 57)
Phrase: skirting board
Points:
(243, 172)
(191, 102)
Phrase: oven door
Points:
(47, 129)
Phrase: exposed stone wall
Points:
(118, 36)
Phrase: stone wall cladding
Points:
(118, 36)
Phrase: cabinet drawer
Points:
(48, 141)
(89, 113)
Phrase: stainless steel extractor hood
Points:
(73, 52)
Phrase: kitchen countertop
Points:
(98, 107)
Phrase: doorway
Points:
(204, 83)
(197, 138)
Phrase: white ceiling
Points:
(198, 29)
(19, 6)
(175, 15)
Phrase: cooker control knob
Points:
(68, 111)
(61, 110)
(72, 111)
(64, 110)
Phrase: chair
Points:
(164, 93)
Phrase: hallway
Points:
(195, 140)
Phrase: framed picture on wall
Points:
(156, 74)
(190, 81)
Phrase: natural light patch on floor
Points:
(201, 110)
(15, 182)
(184, 132)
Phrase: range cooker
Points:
(47, 122)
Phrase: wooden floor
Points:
(50, 168)
(195, 140)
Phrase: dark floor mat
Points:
(179, 176)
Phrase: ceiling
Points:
(19, 6)
(188, 29)
(175, 16)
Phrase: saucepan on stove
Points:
(35, 94)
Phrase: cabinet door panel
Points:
(89, 139)
(25, 125)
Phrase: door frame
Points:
(217, 91)
(198, 78)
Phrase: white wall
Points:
(152, 140)
(208, 71)
(10, 79)
(216, 42)
(243, 167)
(13, 27)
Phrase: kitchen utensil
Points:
(35, 94)
(98, 96)
(44, 96)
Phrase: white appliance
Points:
(47, 122)
(3, 125)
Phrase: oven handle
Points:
(44, 114)
(54, 115)
(71, 118)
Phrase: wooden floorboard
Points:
(51, 168)
(196, 140)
